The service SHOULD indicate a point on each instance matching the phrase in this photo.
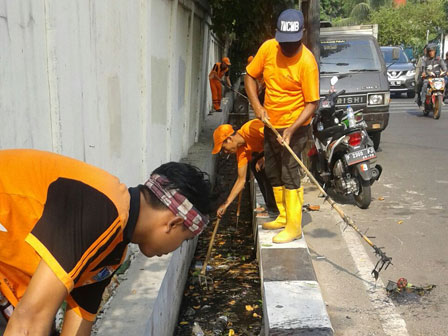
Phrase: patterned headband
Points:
(177, 203)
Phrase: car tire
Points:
(410, 94)
(376, 138)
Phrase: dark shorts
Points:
(281, 167)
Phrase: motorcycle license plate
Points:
(360, 156)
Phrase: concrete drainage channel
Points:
(258, 288)
(231, 303)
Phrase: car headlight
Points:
(387, 98)
(376, 99)
(410, 73)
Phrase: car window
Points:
(348, 55)
(387, 54)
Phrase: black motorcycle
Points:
(343, 156)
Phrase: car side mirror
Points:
(333, 80)
(396, 54)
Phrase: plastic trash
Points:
(220, 325)
(198, 266)
(197, 330)
(350, 117)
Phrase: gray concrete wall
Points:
(122, 85)
(119, 84)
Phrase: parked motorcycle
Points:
(343, 157)
(434, 94)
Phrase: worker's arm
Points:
(237, 187)
(35, 312)
(307, 113)
(75, 325)
(228, 81)
(250, 84)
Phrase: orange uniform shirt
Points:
(253, 134)
(72, 215)
(219, 71)
(290, 82)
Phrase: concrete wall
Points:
(119, 84)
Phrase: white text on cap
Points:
(290, 26)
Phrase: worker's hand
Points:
(424, 75)
(287, 134)
(260, 164)
(261, 113)
(222, 210)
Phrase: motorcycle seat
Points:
(330, 132)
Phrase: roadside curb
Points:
(292, 299)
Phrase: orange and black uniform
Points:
(75, 217)
(291, 82)
(215, 84)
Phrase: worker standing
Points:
(65, 226)
(291, 76)
(219, 70)
(244, 143)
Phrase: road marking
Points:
(392, 323)
(412, 192)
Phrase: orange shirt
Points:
(219, 71)
(253, 134)
(67, 213)
(290, 82)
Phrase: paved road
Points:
(409, 217)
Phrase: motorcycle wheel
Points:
(438, 107)
(364, 196)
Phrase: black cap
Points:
(290, 26)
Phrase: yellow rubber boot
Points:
(300, 204)
(293, 229)
(280, 221)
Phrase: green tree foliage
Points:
(358, 11)
(407, 25)
(245, 25)
(331, 9)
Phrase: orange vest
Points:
(217, 68)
